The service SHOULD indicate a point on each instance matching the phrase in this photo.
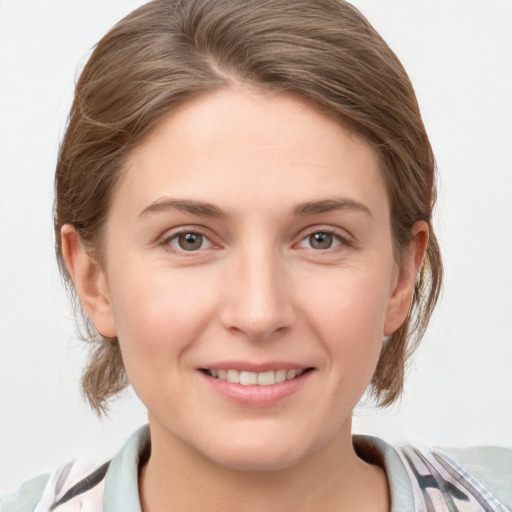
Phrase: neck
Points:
(332, 479)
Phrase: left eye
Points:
(189, 241)
(321, 240)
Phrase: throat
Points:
(177, 478)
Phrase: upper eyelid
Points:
(342, 234)
(173, 232)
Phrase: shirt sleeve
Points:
(27, 496)
(492, 465)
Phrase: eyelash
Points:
(341, 241)
(167, 242)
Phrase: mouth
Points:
(248, 378)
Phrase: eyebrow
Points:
(209, 210)
(184, 205)
(329, 205)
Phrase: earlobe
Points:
(412, 260)
(89, 280)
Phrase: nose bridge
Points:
(256, 301)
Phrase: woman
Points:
(244, 200)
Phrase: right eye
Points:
(188, 241)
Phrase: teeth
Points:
(280, 375)
(253, 378)
(266, 378)
(233, 376)
(290, 374)
(247, 378)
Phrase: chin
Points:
(256, 460)
(258, 452)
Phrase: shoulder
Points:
(428, 479)
(26, 498)
(491, 465)
(479, 478)
(47, 492)
(86, 486)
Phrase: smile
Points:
(247, 378)
(253, 388)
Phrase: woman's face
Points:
(249, 240)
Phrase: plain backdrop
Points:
(459, 57)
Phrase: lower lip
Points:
(257, 396)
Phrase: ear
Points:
(89, 280)
(412, 259)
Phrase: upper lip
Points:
(255, 367)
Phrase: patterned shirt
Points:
(420, 479)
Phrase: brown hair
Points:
(168, 51)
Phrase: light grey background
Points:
(459, 57)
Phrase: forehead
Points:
(242, 146)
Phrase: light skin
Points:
(252, 232)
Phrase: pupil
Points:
(321, 240)
(190, 241)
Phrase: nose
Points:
(257, 296)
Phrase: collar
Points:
(121, 492)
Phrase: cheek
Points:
(348, 313)
(353, 302)
(158, 315)
(159, 319)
